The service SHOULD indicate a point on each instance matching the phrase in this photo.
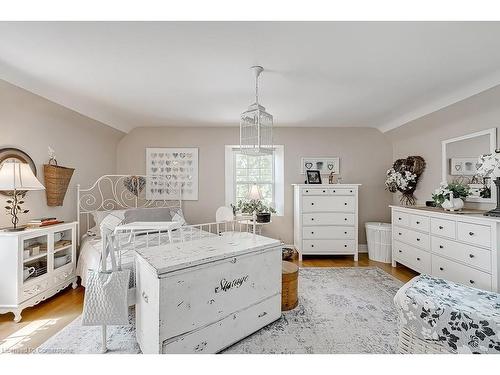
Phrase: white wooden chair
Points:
(224, 214)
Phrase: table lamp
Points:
(18, 178)
(489, 166)
(254, 193)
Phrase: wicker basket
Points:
(408, 343)
(56, 182)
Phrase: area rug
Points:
(341, 310)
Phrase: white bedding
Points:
(91, 249)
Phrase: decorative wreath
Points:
(403, 177)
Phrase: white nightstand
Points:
(47, 255)
(258, 226)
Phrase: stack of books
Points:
(43, 222)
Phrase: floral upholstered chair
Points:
(439, 316)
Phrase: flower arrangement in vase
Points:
(403, 177)
(450, 196)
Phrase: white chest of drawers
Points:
(326, 219)
(456, 247)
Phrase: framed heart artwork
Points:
(325, 165)
(178, 168)
(464, 166)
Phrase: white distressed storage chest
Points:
(326, 219)
(458, 247)
(202, 296)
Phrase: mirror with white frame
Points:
(460, 161)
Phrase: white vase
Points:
(453, 204)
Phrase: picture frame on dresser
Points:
(458, 247)
(313, 177)
(36, 264)
(326, 219)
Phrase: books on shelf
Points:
(43, 222)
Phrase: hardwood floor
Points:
(400, 272)
(47, 318)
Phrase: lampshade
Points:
(18, 176)
(489, 165)
(254, 193)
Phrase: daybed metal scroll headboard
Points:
(115, 192)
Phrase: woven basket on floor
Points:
(56, 182)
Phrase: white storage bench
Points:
(439, 316)
(204, 295)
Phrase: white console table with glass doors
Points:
(35, 264)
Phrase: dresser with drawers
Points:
(326, 219)
(457, 247)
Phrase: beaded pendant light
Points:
(256, 125)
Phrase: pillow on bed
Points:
(178, 215)
(93, 232)
(100, 215)
(107, 220)
(147, 214)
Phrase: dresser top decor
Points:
(403, 177)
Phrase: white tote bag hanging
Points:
(105, 300)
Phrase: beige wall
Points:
(31, 123)
(423, 136)
(365, 154)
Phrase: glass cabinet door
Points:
(35, 257)
(62, 248)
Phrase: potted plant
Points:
(450, 196)
(262, 210)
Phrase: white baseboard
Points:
(362, 248)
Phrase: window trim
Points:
(279, 180)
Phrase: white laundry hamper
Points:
(378, 236)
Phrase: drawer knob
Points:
(471, 233)
(312, 232)
(440, 227)
(441, 268)
(312, 245)
(441, 246)
(471, 281)
(400, 251)
(471, 255)
(418, 222)
(345, 232)
(312, 219)
(324, 191)
(334, 191)
(312, 203)
(418, 239)
(350, 191)
(345, 219)
(399, 218)
(307, 191)
(345, 204)
(345, 245)
(418, 259)
(400, 233)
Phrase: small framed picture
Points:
(313, 177)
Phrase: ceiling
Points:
(134, 74)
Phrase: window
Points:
(265, 171)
